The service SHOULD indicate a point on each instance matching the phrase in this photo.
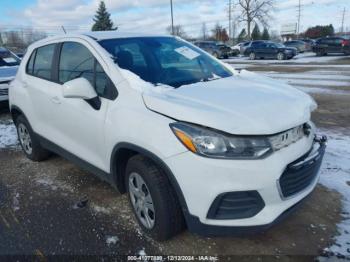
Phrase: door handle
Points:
(55, 100)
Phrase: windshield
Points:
(7, 58)
(279, 45)
(164, 60)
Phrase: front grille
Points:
(236, 205)
(4, 92)
(296, 177)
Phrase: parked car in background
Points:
(331, 45)
(228, 49)
(190, 140)
(237, 47)
(301, 46)
(244, 46)
(9, 63)
(214, 48)
(309, 43)
(265, 49)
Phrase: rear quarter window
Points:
(30, 65)
(43, 61)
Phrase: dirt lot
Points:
(54, 207)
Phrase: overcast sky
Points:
(154, 15)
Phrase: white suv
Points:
(191, 140)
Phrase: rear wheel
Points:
(153, 199)
(252, 56)
(29, 142)
(280, 56)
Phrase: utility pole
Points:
(342, 21)
(172, 17)
(299, 16)
(230, 19)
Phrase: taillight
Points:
(345, 42)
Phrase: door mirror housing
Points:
(79, 88)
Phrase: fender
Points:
(159, 162)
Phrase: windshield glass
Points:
(164, 60)
(7, 58)
(279, 45)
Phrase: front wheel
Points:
(29, 142)
(280, 56)
(153, 199)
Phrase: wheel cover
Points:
(252, 56)
(280, 56)
(25, 139)
(141, 200)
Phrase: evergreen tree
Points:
(265, 35)
(242, 35)
(102, 19)
(256, 35)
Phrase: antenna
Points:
(64, 30)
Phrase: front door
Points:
(81, 126)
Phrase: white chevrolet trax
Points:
(192, 141)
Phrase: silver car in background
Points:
(9, 63)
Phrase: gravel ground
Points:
(54, 207)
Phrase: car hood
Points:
(246, 104)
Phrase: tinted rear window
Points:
(43, 61)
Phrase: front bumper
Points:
(202, 180)
(4, 90)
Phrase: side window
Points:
(75, 61)
(43, 61)
(30, 65)
(102, 81)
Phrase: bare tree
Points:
(253, 11)
(178, 31)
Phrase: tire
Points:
(29, 142)
(252, 56)
(281, 56)
(166, 219)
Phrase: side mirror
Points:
(79, 88)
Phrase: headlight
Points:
(215, 144)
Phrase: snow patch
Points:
(8, 135)
(112, 240)
(142, 252)
(103, 210)
(335, 174)
(15, 202)
(53, 184)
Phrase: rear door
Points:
(42, 90)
